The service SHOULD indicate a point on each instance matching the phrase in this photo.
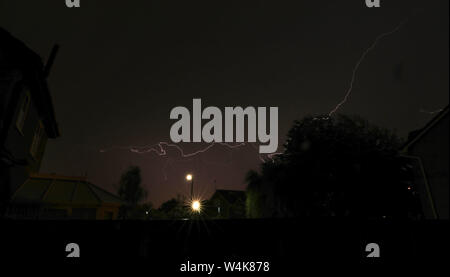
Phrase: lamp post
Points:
(195, 204)
(190, 178)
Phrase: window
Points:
(23, 111)
(37, 139)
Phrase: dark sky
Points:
(123, 65)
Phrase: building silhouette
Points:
(428, 151)
(27, 118)
(27, 121)
(227, 204)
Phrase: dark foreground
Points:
(287, 244)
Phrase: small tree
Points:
(174, 208)
(130, 190)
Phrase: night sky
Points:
(123, 65)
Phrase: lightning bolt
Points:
(359, 62)
(161, 149)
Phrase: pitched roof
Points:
(14, 54)
(231, 195)
(418, 134)
(53, 189)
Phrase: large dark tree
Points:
(339, 166)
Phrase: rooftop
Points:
(64, 190)
(230, 195)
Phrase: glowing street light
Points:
(190, 178)
(196, 206)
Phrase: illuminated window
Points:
(37, 139)
(23, 111)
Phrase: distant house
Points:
(428, 150)
(227, 204)
(62, 197)
(27, 118)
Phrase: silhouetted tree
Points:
(339, 166)
(174, 208)
(254, 200)
(130, 190)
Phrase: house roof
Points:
(230, 195)
(14, 54)
(416, 135)
(64, 190)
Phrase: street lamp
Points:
(190, 178)
(196, 206)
